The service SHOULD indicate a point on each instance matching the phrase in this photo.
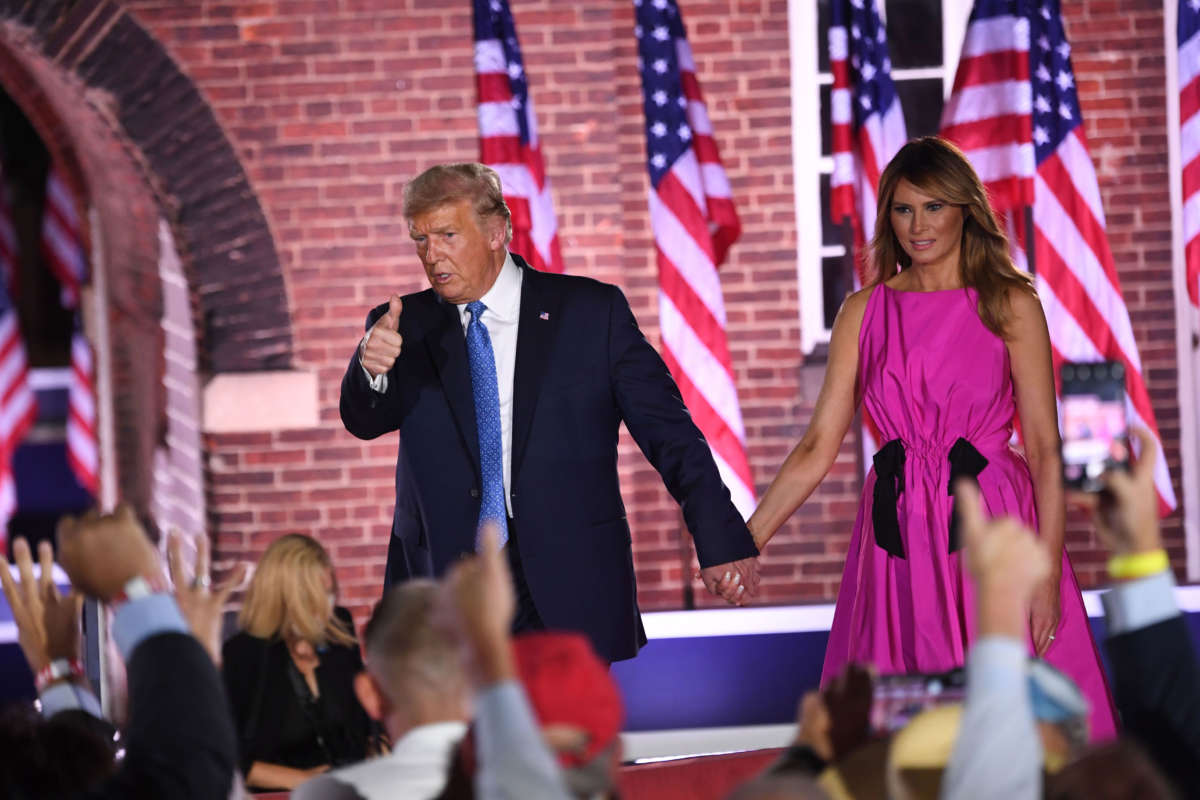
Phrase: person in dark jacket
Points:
(290, 671)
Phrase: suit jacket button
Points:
(475, 493)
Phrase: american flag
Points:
(694, 224)
(1015, 112)
(508, 140)
(63, 251)
(867, 121)
(1189, 139)
(18, 406)
(866, 131)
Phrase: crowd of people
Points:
(483, 671)
(445, 702)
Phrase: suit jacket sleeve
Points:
(656, 416)
(365, 412)
(180, 741)
(1156, 683)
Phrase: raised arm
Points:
(365, 405)
(812, 457)
(1033, 381)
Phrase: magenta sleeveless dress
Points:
(935, 378)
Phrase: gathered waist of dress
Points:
(989, 445)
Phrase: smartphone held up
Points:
(1095, 432)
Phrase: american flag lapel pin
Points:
(545, 315)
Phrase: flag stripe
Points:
(1039, 157)
(508, 140)
(694, 223)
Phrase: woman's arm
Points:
(1033, 380)
(812, 457)
(263, 775)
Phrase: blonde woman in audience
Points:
(289, 672)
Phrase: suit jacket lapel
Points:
(448, 351)
(535, 340)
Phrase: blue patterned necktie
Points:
(487, 420)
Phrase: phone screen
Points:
(899, 698)
(1094, 427)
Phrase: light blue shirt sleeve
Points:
(514, 762)
(144, 617)
(65, 696)
(1137, 604)
(998, 754)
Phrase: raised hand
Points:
(200, 604)
(102, 552)
(481, 602)
(47, 622)
(1008, 564)
(1126, 511)
(382, 344)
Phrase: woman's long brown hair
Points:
(939, 169)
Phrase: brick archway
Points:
(127, 78)
(194, 284)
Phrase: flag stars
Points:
(658, 160)
(1042, 73)
(865, 102)
(660, 4)
(1064, 50)
(681, 101)
(1040, 136)
(1042, 104)
(855, 32)
(868, 71)
(1045, 12)
(1195, 4)
(1064, 80)
(684, 133)
(514, 70)
(660, 66)
(1044, 42)
(661, 33)
(659, 97)
(659, 129)
(1064, 111)
(637, 31)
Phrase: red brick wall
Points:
(333, 105)
(1121, 71)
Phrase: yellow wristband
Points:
(1138, 565)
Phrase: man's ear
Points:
(496, 231)
(372, 698)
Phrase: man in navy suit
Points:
(508, 386)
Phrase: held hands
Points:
(1125, 512)
(1010, 568)
(736, 581)
(383, 341)
(102, 552)
(47, 623)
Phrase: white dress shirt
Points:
(415, 769)
(501, 319)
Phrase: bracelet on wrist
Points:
(57, 670)
(1138, 565)
(137, 587)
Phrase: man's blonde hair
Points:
(445, 184)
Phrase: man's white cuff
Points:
(379, 382)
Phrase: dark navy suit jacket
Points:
(582, 368)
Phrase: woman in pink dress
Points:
(944, 350)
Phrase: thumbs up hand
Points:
(381, 347)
